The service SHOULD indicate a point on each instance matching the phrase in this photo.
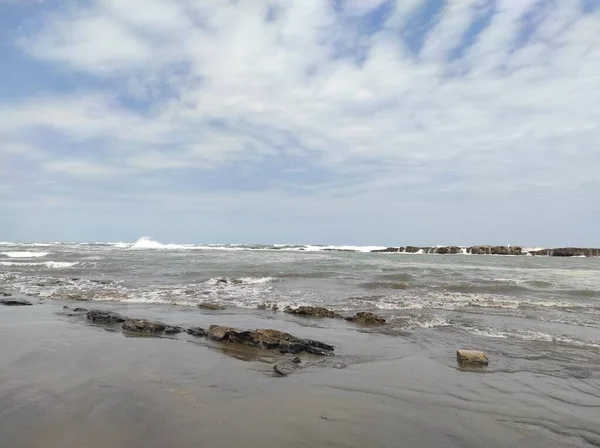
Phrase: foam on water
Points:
(48, 264)
(25, 254)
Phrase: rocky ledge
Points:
(15, 302)
(261, 338)
(362, 318)
(493, 250)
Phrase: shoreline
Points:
(69, 383)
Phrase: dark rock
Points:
(5, 294)
(80, 310)
(296, 360)
(65, 307)
(106, 317)
(265, 339)
(447, 250)
(574, 252)
(542, 252)
(316, 344)
(222, 281)
(413, 249)
(285, 368)
(102, 282)
(197, 331)
(220, 333)
(292, 348)
(211, 306)
(15, 302)
(480, 250)
(173, 329)
(312, 311)
(389, 250)
(143, 326)
(365, 318)
(267, 306)
(317, 351)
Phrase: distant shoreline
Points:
(493, 250)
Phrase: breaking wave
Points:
(25, 254)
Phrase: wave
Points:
(25, 254)
(148, 243)
(238, 281)
(48, 264)
(528, 335)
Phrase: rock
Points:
(265, 339)
(471, 357)
(197, 331)
(5, 294)
(413, 249)
(365, 318)
(143, 326)
(173, 329)
(219, 333)
(447, 250)
(222, 281)
(389, 250)
(267, 306)
(296, 360)
(574, 252)
(106, 317)
(80, 310)
(290, 347)
(542, 252)
(211, 306)
(315, 344)
(102, 282)
(312, 311)
(65, 307)
(15, 302)
(285, 368)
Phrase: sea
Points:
(543, 299)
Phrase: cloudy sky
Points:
(312, 121)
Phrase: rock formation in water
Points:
(312, 311)
(15, 302)
(493, 250)
(364, 318)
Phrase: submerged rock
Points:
(80, 310)
(285, 368)
(196, 331)
(312, 311)
(267, 306)
(471, 358)
(389, 250)
(365, 318)
(15, 302)
(106, 317)
(211, 306)
(143, 326)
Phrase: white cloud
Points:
(226, 86)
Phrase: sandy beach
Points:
(65, 383)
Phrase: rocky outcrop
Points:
(494, 250)
(105, 317)
(15, 302)
(269, 340)
(5, 294)
(197, 331)
(389, 250)
(365, 318)
(172, 329)
(569, 252)
(268, 306)
(143, 326)
(471, 358)
(211, 306)
(311, 311)
(443, 250)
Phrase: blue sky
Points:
(313, 121)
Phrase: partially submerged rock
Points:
(211, 306)
(5, 294)
(269, 340)
(15, 302)
(268, 306)
(173, 329)
(105, 317)
(471, 358)
(365, 318)
(80, 310)
(285, 368)
(312, 311)
(196, 331)
(143, 326)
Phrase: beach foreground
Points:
(65, 383)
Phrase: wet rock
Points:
(285, 368)
(15, 302)
(268, 306)
(316, 344)
(312, 311)
(173, 329)
(196, 331)
(102, 282)
(574, 252)
(291, 347)
(447, 250)
(80, 310)
(364, 318)
(211, 306)
(471, 358)
(5, 294)
(296, 360)
(541, 252)
(143, 326)
(219, 332)
(389, 250)
(65, 307)
(222, 281)
(106, 317)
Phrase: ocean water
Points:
(538, 299)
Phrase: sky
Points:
(382, 122)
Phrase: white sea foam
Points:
(147, 243)
(529, 335)
(25, 254)
(48, 264)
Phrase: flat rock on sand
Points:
(471, 358)
(15, 302)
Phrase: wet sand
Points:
(65, 383)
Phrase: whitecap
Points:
(25, 254)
